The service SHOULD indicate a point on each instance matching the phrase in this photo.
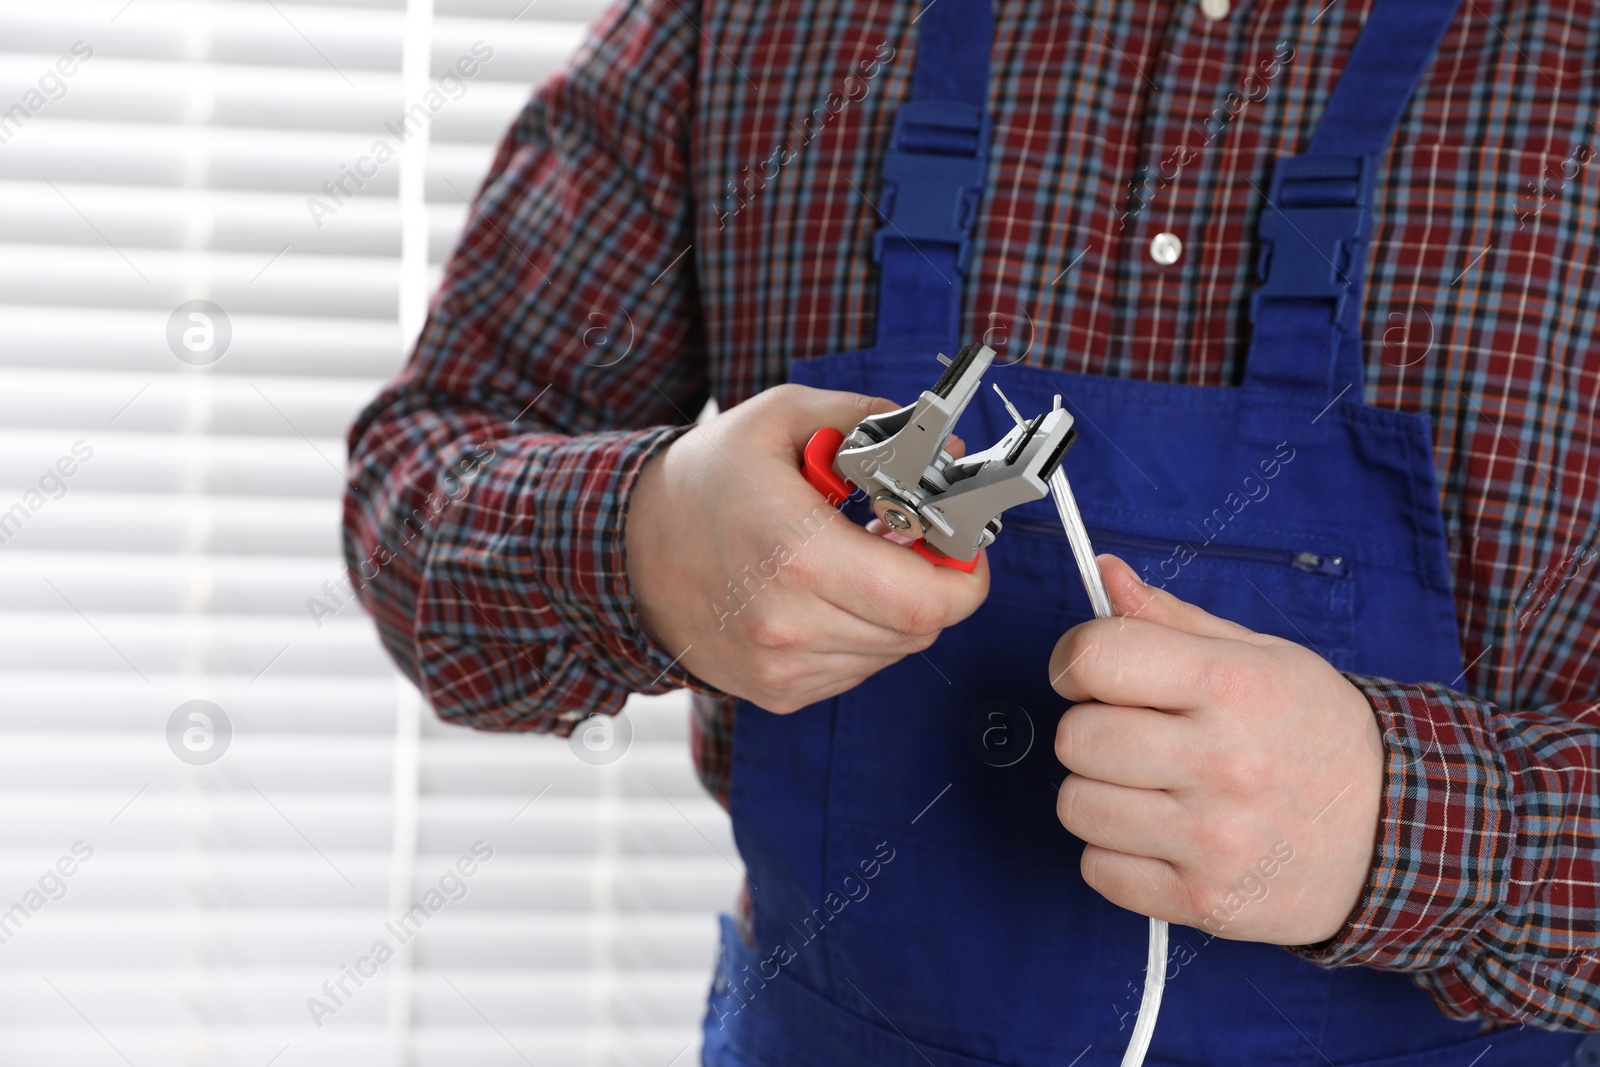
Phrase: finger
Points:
(1137, 822)
(879, 528)
(803, 411)
(868, 575)
(863, 638)
(1132, 597)
(810, 625)
(844, 633)
(1141, 884)
(879, 581)
(781, 613)
(908, 594)
(1137, 747)
(876, 580)
(1138, 663)
(889, 585)
(826, 674)
(819, 678)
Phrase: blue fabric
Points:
(1315, 223)
(940, 133)
(1395, 48)
(953, 52)
(914, 899)
(1587, 1053)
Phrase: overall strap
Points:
(1317, 221)
(933, 175)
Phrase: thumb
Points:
(815, 408)
(1131, 597)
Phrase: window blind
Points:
(216, 802)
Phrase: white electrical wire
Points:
(1155, 983)
(1155, 968)
(1078, 538)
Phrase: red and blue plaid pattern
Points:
(686, 210)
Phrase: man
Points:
(1338, 428)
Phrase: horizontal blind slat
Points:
(127, 341)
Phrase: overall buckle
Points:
(933, 176)
(1314, 232)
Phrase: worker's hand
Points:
(1222, 779)
(766, 591)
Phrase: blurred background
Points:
(217, 798)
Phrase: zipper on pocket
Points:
(1301, 560)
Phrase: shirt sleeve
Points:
(488, 483)
(1484, 885)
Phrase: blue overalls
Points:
(915, 901)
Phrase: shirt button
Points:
(1215, 10)
(1165, 248)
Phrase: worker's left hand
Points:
(1222, 779)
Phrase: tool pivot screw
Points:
(896, 515)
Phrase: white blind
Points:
(164, 521)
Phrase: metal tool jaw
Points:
(901, 461)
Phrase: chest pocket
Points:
(1299, 589)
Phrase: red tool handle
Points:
(818, 466)
(819, 470)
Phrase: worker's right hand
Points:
(763, 590)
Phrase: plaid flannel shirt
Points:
(686, 210)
